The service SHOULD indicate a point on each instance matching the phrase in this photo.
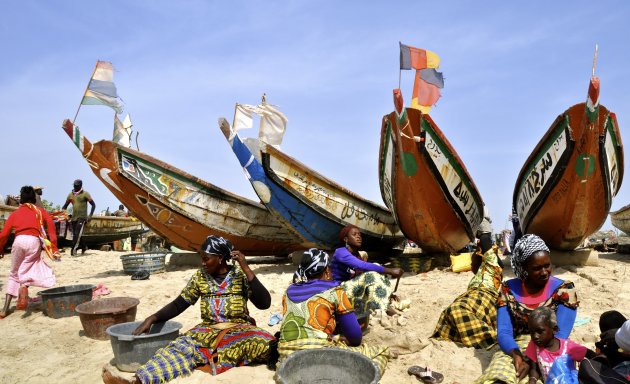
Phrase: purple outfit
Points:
(345, 265)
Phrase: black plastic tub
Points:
(62, 301)
(327, 365)
(130, 352)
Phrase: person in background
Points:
(318, 314)
(34, 232)
(227, 337)
(120, 212)
(364, 282)
(533, 287)
(38, 194)
(79, 200)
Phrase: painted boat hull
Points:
(426, 185)
(99, 230)
(180, 207)
(621, 219)
(312, 206)
(565, 189)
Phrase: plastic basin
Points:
(62, 301)
(130, 352)
(327, 365)
(97, 315)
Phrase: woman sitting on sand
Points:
(472, 318)
(223, 291)
(315, 307)
(28, 268)
(533, 287)
(362, 280)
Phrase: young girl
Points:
(544, 348)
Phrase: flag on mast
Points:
(428, 81)
(122, 131)
(101, 90)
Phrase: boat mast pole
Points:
(84, 92)
(594, 60)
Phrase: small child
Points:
(544, 348)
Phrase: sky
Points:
(510, 69)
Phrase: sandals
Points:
(426, 375)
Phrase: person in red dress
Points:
(34, 231)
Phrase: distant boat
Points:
(565, 189)
(311, 205)
(178, 206)
(620, 219)
(99, 230)
(424, 182)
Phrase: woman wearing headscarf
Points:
(34, 232)
(315, 307)
(364, 282)
(227, 336)
(533, 287)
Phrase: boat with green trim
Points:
(565, 189)
(424, 182)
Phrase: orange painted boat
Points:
(565, 189)
(424, 182)
(178, 206)
(620, 219)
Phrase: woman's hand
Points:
(394, 272)
(521, 366)
(238, 257)
(145, 326)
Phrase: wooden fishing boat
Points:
(565, 189)
(424, 182)
(178, 206)
(99, 230)
(620, 219)
(311, 205)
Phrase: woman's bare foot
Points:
(3, 314)
(110, 378)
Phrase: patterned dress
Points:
(310, 325)
(223, 306)
(472, 318)
(501, 368)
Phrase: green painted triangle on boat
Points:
(592, 115)
(409, 164)
(585, 160)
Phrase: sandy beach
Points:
(39, 349)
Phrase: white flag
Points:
(243, 116)
(272, 125)
(122, 131)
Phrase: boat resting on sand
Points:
(565, 189)
(309, 204)
(99, 230)
(424, 182)
(178, 206)
(620, 219)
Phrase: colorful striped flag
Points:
(428, 81)
(101, 90)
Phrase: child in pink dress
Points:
(544, 348)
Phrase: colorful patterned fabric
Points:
(223, 305)
(565, 295)
(501, 368)
(489, 274)
(315, 317)
(471, 319)
(310, 324)
(371, 289)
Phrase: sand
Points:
(39, 349)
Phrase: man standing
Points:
(79, 199)
(38, 196)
